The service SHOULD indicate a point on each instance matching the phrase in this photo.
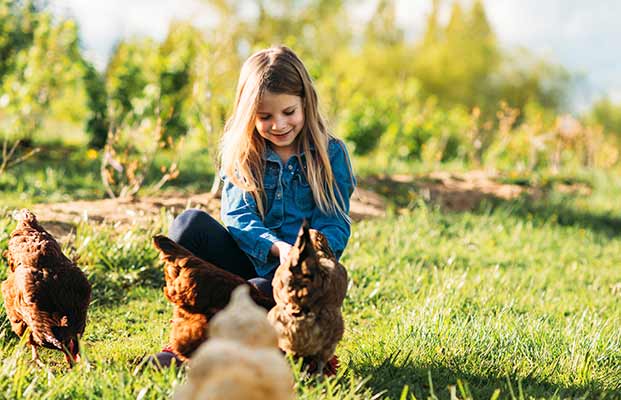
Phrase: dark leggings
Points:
(206, 238)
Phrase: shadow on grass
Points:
(562, 211)
(427, 382)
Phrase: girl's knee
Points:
(188, 224)
(264, 285)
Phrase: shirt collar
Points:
(270, 155)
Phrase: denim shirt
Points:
(289, 202)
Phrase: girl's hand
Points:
(281, 250)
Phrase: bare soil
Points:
(452, 191)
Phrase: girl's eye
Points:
(289, 112)
(264, 117)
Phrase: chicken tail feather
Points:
(168, 247)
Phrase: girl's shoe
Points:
(330, 369)
(165, 358)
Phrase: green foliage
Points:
(41, 73)
(131, 80)
(608, 115)
(98, 124)
(455, 63)
(17, 24)
(523, 78)
(382, 29)
(363, 123)
(462, 64)
(429, 133)
(380, 91)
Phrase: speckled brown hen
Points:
(198, 290)
(309, 289)
(44, 290)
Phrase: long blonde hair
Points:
(277, 70)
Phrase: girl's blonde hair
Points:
(277, 70)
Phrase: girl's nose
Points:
(278, 125)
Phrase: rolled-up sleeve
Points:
(337, 228)
(240, 216)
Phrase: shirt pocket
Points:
(270, 184)
(303, 195)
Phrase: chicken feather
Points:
(309, 289)
(241, 360)
(44, 290)
(198, 290)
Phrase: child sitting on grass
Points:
(280, 166)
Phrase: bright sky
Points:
(578, 34)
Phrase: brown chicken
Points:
(309, 289)
(198, 290)
(44, 291)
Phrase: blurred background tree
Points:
(42, 70)
(433, 98)
(608, 115)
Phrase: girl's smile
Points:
(279, 120)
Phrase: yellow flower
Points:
(91, 154)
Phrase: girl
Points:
(280, 165)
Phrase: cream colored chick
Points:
(243, 321)
(241, 359)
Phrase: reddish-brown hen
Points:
(44, 290)
(198, 290)
(309, 289)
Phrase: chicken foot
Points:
(35, 356)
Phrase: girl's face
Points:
(279, 120)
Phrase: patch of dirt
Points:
(61, 218)
(462, 191)
(465, 191)
(453, 191)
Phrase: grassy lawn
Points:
(513, 300)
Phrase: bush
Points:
(363, 124)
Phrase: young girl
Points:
(280, 165)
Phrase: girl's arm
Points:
(240, 216)
(337, 228)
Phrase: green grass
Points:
(514, 300)
(486, 299)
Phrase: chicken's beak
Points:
(72, 353)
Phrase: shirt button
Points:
(290, 167)
(278, 195)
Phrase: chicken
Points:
(198, 290)
(241, 360)
(44, 291)
(309, 289)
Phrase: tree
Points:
(132, 67)
(523, 78)
(382, 28)
(177, 53)
(18, 20)
(607, 114)
(41, 73)
(456, 63)
(98, 123)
